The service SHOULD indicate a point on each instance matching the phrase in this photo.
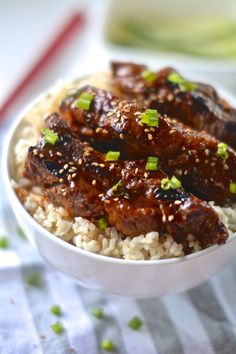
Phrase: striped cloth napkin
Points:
(199, 321)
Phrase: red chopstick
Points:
(75, 23)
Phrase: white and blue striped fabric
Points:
(199, 321)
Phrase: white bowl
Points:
(117, 276)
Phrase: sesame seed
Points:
(136, 170)
(64, 193)
(146, 130)
(95, 164)
(171, 131)
(226, 167)
(170, 217)
(109, 114)
(107, 201)
(207, 152)
(41, 155)
(66, 166)
(94, 182)
(197, 160)
(185, 172)
(213, 164)
(101, 195)
(179, 172)
(72, 184)
(71, 170)
(112, 166)
(73, 175)
(35, 151)
(59, 153)
(115, 199)
(183, 148)
(69, 177)
(177, 202)
(145, 174)
(71, 163)
(101, 165)
(80, 161)
(150, 137)
(61, 171)
(121, 136)
(61, 180)
(164, 218)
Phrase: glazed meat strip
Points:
(195, 104)
(131, 198)
(195, 158)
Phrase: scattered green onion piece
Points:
(117, 190)
(184, 85)
(57, 327)
(148, 76)
(135, 323)
(150, 117)
(107, 344)
(175, 183)
(56, 310)
(33, 279)
(84, 101)
(222, 151)
(49, 136)
(97, 312)
(232, 187)
(165, 184)
(112, 155)
(151, 164)
(20, 233)
(4, 242)
(102, 223)
(144, 118)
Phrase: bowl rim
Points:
(14, 200)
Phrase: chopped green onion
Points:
(117, 190)
(151, 164)
(150, 117)
(175, 183)
(107, 344)
(97, 312)
(102, 223)
(33, 279)
(232, 187)
(135, 323)
(222, 151)
(57, 327)
(149, 76)
(49, 136)
(84, 101)
(56, 310)
(20, 233)
(4, 242)
(112, 155)
(165, 184)
(184, 85)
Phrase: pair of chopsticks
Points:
(75, 23)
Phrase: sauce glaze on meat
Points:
(183, 152)
(200, 108)
(79, 178)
